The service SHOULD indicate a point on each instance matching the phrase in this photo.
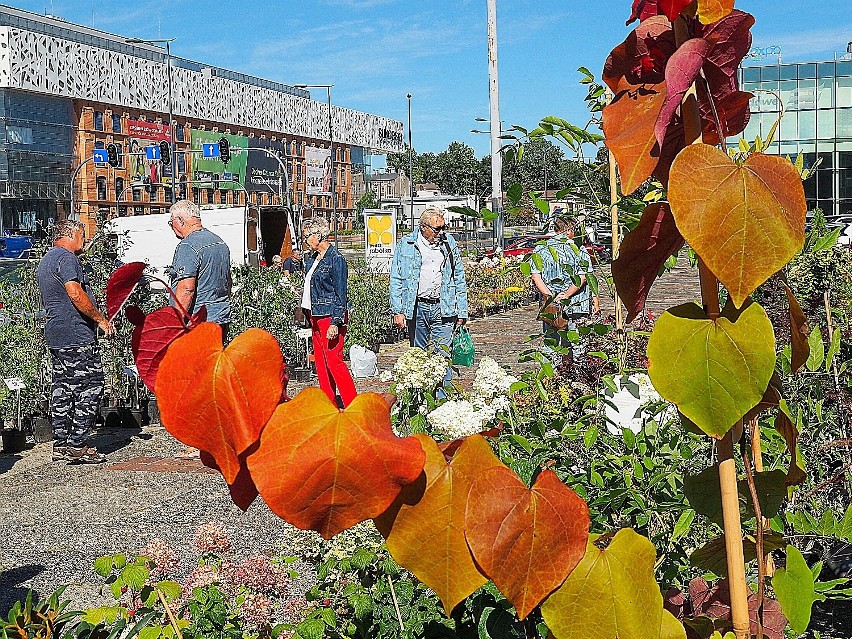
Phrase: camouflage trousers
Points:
(78, 383)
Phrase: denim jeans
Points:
(577, 349)
(433, 333)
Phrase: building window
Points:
(122, 211)
(119, 188)
(120, 154)
(196, 195)
(181, 162)
(167, 192)
(155, 211)
(138, 210)
(99, 144)
(210, 196)
(101, 182)
(179, 132)
(298, 172)
(137, 194)
(98, 121)
(116, 123)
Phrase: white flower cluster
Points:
(491, 381)
(416, 370)
(459, 418)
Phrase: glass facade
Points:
(36, 155)
(817, 121)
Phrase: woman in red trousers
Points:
(324, 298)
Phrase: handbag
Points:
(554, 316)
(463, 349)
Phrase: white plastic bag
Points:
(364, 361)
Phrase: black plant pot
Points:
(131, 418)
(111, 416)
(42, 430)
(14, 441)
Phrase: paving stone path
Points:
(56, 519)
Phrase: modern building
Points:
(66, 90)
(816, 99)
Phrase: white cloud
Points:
(802, 44)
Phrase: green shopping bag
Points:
(463, 350)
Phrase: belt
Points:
(429, 300)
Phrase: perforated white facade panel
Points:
(52, 65)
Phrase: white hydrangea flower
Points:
(458, 418)
(491, 380)
(416, 370)
(386, 376)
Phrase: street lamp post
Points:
(411, 188)
(167, 42)
(327, 88)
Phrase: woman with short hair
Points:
(325, 299)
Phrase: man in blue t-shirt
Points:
(72, 319)
(201, 269)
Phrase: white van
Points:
(150, 239)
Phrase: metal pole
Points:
(172, 157)
(333, 176)
(411, 187)
(496, 132)
(72, 214)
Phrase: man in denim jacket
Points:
(428, 291)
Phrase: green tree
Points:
(539, 168)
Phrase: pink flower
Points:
(257, 573)
(256, 610)
(165, 559)
(212, 539)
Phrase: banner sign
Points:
(318, 170)
(263, 171)
(207, 171)
(380, 238)
(142, 135)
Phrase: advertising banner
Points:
(263, 171)
(318, 170)
(211, 171)
(144, 134)
(380, 240)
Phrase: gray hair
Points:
(185, 209)
(65, 228)
(430, 214)
(565, 224)
(316, 225)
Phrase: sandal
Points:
(84, 456)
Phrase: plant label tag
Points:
(14, 383)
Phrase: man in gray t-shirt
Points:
(201, 269)
(72, 318)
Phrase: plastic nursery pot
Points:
(14, 441)
(111, 416)
(130, 417)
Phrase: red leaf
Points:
(715, 602)
(242, 489)
(323, 469)
(643, 253)
(641, 58)
(219, 400)
(526, 540)
(682, 69)
(121, 285)
(644, 9)
(153, 334)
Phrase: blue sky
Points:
(376, 51)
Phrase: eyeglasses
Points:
(305, 237)
(171, 222)
(437, 229)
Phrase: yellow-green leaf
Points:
(817, 354)
(714, 371)
(612, 595)
(794, 587)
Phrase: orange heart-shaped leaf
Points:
(219, 400)
(242, 490)
(323, 469)
(628, 124)
(424, 527)
(526, 540)
(745, 221)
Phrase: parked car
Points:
(600, 253)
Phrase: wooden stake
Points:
(725, 448)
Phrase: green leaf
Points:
(827, 242)
(522, 441)
(171, 589)
(135, 576)
(151, 632)
(514, 193)
(115, 588)
(590, 437)
(542, 205)
(683, 523)
(833, 350)
(712, 556)
(713, 371)
(103, 566)
(311, 629)
(119, 560)
(794, 587)
(329, 617)
(817, 356)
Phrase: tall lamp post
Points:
(494, 115)
(327, 88)
(496, 178)
(411, 187)
(167, 42)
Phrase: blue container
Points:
(15, 245)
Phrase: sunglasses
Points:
(437, 229)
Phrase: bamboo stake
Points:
(170, 614)
(616, 245)
(831, 337)
(725, 448)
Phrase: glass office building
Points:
(817, 121)
(36, 154)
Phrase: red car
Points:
(521, 246)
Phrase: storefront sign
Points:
(380, 240)
(263, 171)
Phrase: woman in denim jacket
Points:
(325, 299)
